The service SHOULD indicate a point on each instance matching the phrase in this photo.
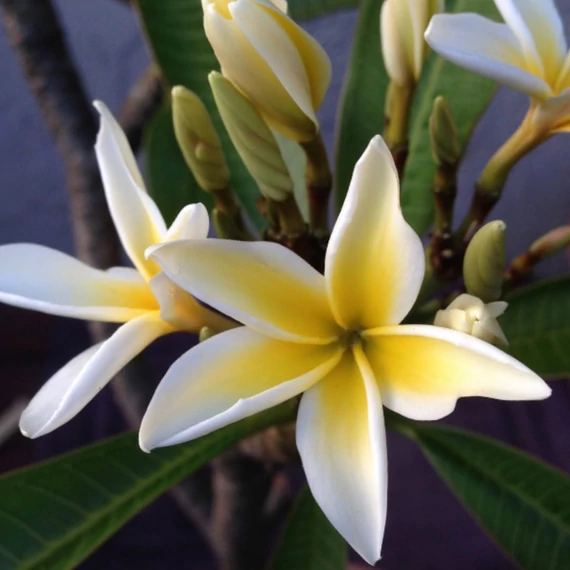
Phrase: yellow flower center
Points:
(222, 7)
(350, 338)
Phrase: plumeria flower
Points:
(334, 337)
(470, 315)
(278, 66)
(528, 53)
(144, 299)
(403, 24)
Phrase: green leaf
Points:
(522, 503)
(361, 113)
(467, 94)
(55, 514)
(537, 324)
(176, 35)
(170, 182)
(309, 540)
(304, 9)
(362, 109)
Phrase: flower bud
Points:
(443, 134)
(253, 139)
(551, 243)
(198, 140)
(280, 68)
(468, 314)
(402, 25)
(484, 263)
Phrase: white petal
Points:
(539, 28)
(486, 48)
(231, 376)
(192, 222)
(422, 370)
(263, 285)
(66, 393)
(396, 57)
(341, 439)
(136, 217)
(374, 263)
(553, 115)
(43, 279)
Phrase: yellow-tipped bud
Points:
(551, 243)
(253, 139)
(484, 262)
(206, 333)
(198, 140)
(469, 315)
(443, 134)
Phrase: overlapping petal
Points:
(540, 31)
(136, 217)
(231, 376)
(76, 384)
(487, 48)
(192, 222)
(257, 79)
(554, 113)
(423, 370)
(341, 439)
(263, 285)
(375, 261)
(43, 279)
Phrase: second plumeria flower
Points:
(281, 69)
(528, 53)
(403, 24)
(337, 338)
(148, 303)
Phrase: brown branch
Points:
(142, 102)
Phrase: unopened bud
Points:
(551, 243)
(469, 315)
(484, 262)
(444, 137)
(206, 333)
(253, 139)
(198, 140)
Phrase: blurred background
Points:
(426, 525)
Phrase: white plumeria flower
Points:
(279, 67)
(39, 278)
(403, 24)
(528, 53)
(336, 337)
(468, 314)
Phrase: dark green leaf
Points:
(170, 182)
(309, 541)
(55, 514)
(522, 503)
(304, 9)
(537, 324)
(468, 95)
(176, 35)
(362, 107)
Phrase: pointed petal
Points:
(257, 80)
(192, 222)
(43, 279)
(66, 393)
(263, 285)
(422, 370)
(486, 48)
(314, 58)
(540, 31)
(231, 376)
(375, 262)
(136, 217)
(341, 439)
